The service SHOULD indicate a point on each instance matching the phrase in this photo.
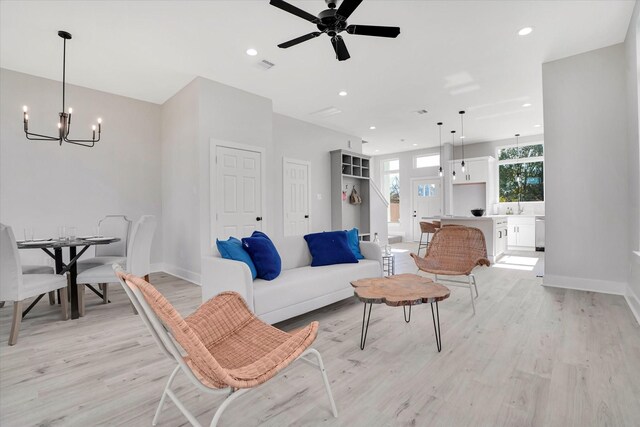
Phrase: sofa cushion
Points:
(294, 252)
(306, 283)
(263, 254)
(354, 242)
(232, 249)
(328, 248)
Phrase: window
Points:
(428, 161)
(528, 161)
(391, 188)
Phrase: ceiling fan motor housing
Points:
(330, 24)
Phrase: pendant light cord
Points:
(64, 70)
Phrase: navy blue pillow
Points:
(232, 249)
(263, 254)
(354, 242)
(329, 248)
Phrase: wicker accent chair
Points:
(226, 348)
(426, 228)
(455, 251)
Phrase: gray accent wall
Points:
(44, 185)
(587, 200)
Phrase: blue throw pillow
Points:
(232, 249)
(354, 242)
(263, 254)
(329, 248)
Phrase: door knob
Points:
(306, 216)
(258, 218)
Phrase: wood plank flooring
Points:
(532, 356)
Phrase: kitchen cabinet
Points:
(501, 236)
(476, 171)
(521, 232)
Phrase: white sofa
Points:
(299, 289)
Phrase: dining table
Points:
(53, 248)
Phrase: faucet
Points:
(520, 209)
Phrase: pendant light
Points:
(518, 178)
(440, 136)
(453, 146)
(462, 136)
(64, 120)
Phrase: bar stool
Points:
(425, 228)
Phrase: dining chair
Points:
(455, 251)
(137, 261)
(39, 269)
(110, 226)
(17, 287)
(222, 348)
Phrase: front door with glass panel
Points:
(426, 201)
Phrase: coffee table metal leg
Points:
(365, 329)
(436, 328)
(404, 309)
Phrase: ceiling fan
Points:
(332, 22)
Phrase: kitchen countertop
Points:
(480, 218)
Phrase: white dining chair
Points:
(138, 261)
(17, 287)
(114, 253)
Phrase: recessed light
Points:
(462, 137)
(525, 31)
(252, 52)
(537, 126)
(372, 127)
(415, 145)
(342, 93)
(526, 105)
(376, 151)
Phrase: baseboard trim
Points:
(634, 303)
(589, 285)
(181, 273)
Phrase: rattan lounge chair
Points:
(455, 251)
(226, 348)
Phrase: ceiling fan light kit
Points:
(64, 121)
(332, 22)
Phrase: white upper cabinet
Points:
(476, 170)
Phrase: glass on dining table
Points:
(28, 234)
(62, 233)
(71, 233)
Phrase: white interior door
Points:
(296, 190)
(426, 201)
(238, 192)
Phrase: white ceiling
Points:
(450, 55)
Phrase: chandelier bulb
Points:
(59, 125)
(99, 120)
(25, 109)
(70, 110)
(26, 117)
(93, 127)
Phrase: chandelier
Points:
(64, 121)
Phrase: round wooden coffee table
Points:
(400, 290)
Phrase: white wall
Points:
(44, 185)
(203, 110)
(180, 184)
(305, 141)
(587, 207)
(632, 54)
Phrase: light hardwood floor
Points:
(531, 356)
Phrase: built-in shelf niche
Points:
(349, 170)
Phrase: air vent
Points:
(326, 112)
(422, 111)
(266, 65)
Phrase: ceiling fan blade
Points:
(373, 30)
(347, 7)
(299, 40)
(341, 49)
(281, 4)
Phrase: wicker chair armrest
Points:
(274, 361)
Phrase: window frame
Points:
(522, 160)
(383, 176)
(417, 156)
